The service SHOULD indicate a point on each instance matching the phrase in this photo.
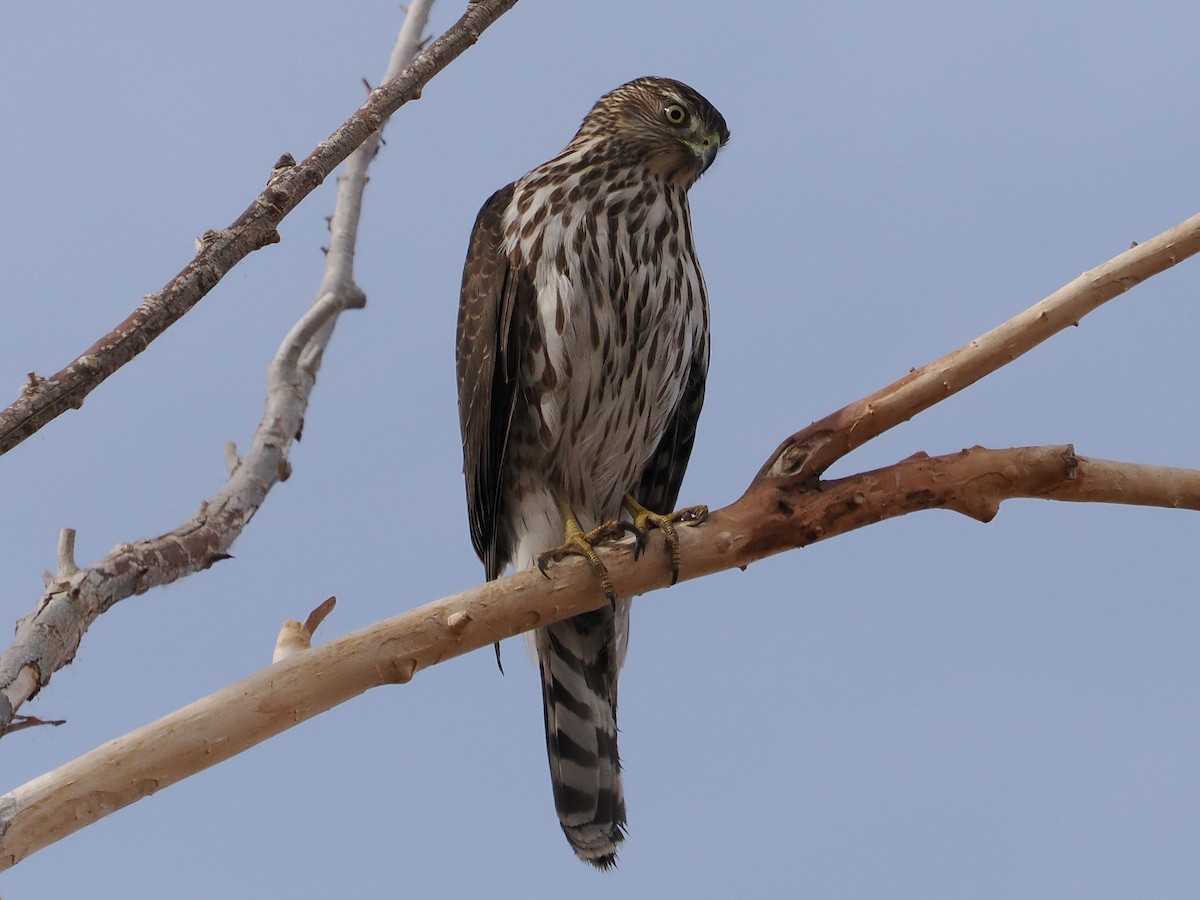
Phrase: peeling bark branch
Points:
(44, 399)
(775, 515)
(47, 638)
(811, 451)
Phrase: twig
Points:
(20, 723)
(45, 398)
(295, 636)
(776, 515)
(66, 553)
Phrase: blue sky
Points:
(926, 708)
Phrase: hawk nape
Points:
(582, 353)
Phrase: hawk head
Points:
(659, 123)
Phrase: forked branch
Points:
(811, 451)
(775, 515)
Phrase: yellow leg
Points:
(644, 520)
(577, 542)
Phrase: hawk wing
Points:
(487, 363)
(658, 489)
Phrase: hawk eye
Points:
(675, 114)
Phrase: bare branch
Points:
(47, 638)
(779, 511)
(45, 398)
(777, 514)
(811, 451)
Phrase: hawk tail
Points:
(577, 658)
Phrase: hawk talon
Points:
(639, 539)
(580, 543)
(644, 520)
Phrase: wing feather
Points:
(658, 488)
(486, 356)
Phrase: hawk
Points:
(582, 351)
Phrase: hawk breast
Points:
(618, 313)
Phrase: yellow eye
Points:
(675, 114)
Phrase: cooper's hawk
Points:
(582, 353)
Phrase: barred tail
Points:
(579, 659)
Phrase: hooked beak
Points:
(706, 149)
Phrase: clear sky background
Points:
(928, 708)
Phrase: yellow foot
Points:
(644, 520)
(581, 543)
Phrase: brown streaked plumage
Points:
(582, 354)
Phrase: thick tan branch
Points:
(776, 515)
(811, 451)
(44, 399)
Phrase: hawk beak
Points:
(706, 149)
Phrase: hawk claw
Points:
(644, 520)
(639, 538)
(580, 543)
